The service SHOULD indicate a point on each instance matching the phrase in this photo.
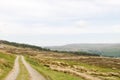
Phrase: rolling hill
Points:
(112, 50)
(56, 65)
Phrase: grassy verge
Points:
(87, 66)
(100, 71)
(23, 75)
(50, 74)
(6, 64)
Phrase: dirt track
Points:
(15, 71)
(34, 75)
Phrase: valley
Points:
(36, 64)
(108, 50)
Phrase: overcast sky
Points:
(59, 22)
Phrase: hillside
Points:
(27, 48)
(22, 45)
(111, 50)
(6, 64)
(102, 49)
(32, 63)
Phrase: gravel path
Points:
(33, 73)
(15, 71)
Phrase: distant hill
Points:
(22, 45)
(112, 50)
(20, 48)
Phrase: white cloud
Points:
(51, 9)
(109, 2)
(13, 12)
(81, 23)
(39, 29)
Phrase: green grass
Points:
(98, 69)
(23, 75)
(95, 68)
(87, 66)
(6, 64)
(50, 74)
